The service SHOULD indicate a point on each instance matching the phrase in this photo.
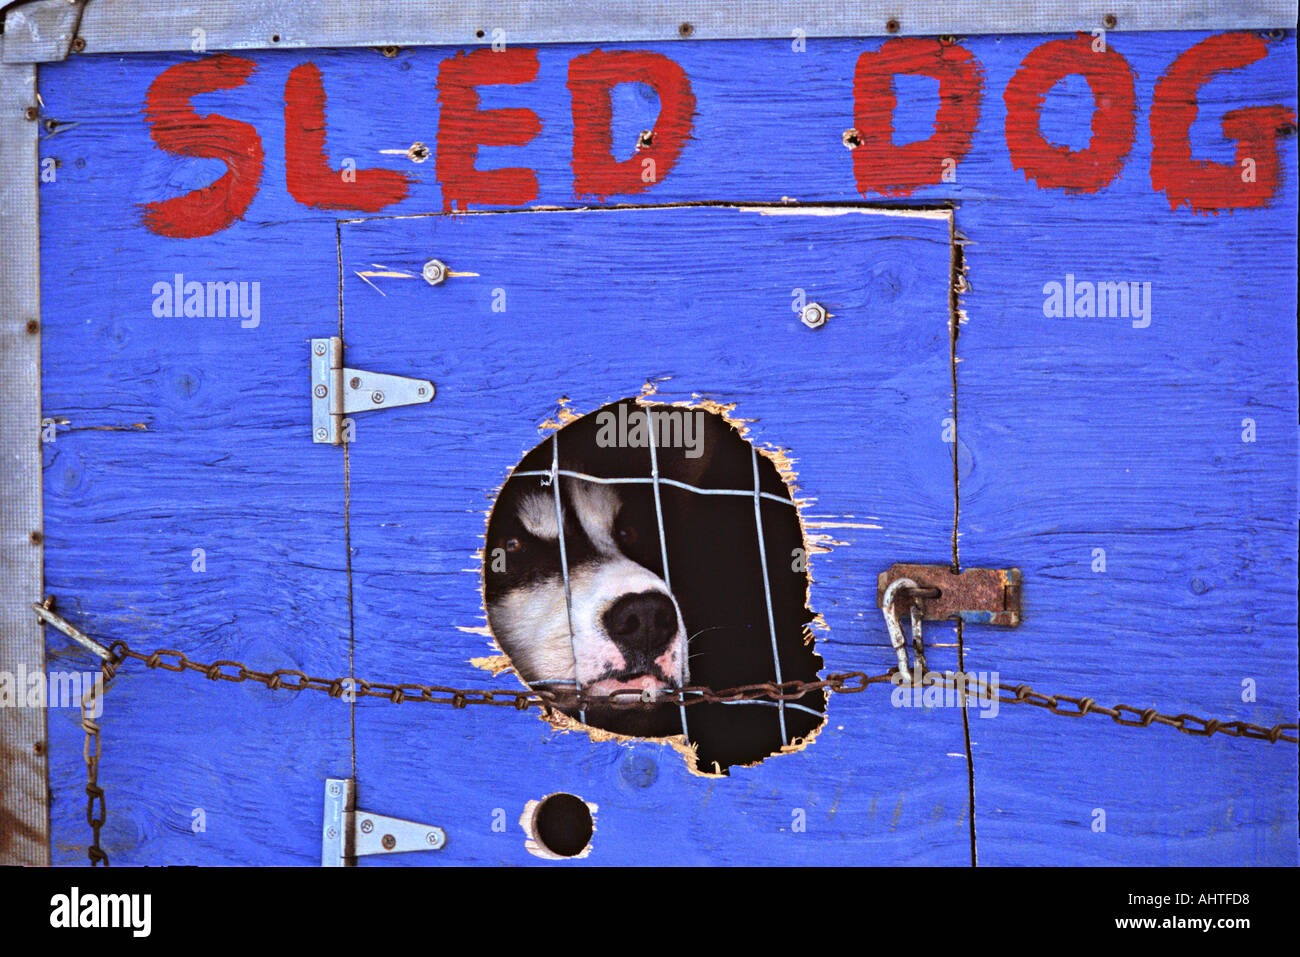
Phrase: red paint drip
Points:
(1204, 185)
(176, 128)
(463, 128)
(592, 78)
(878, 165)
(1114, 115)
(307, 173)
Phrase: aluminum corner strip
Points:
(136, 26)
(41, 30)
(24, 762)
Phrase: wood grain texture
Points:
(596, 304)
(1074, 434)
(1087, 433)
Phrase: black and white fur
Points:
(629, 628)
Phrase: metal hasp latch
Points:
(337, 391)
(349, 833)
(983, 596)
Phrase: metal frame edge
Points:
(41, 31)
(24, 759)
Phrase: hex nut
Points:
(813, 315)
(434, 272)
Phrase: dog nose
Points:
(644, 622)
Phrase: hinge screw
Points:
(813, 315)
(376, 397)
(433, 838)
(355, 382)
(319, 349)
(320, 391)
(434, 272)
(389, 842)
(322, 434)
(331, 832)
(335, 789)
(367, 826)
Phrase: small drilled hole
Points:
(891, 25)
(562, 824)
(686, 29)
(479, 34)
(275, 38)
(1109, 21)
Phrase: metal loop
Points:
(916, 671)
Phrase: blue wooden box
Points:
(980, 396)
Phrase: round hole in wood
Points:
(562, 824)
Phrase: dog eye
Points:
(627, 534)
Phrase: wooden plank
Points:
(1052, 412)
(1087, 435)
(698, 301)
(175, 435)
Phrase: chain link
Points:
(96, 805)
(548, 699)
(847, 682)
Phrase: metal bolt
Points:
(367, 826)
(1109, 21)
(319, 348)
(355, 382)
(434, 272)
(813, 315)
(686, 29)
(376, 397)
(31, 112)
(389, 842)
(331, 832)
(322, 434)
(78, 44)
(320, 391)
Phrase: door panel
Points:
(591, 306)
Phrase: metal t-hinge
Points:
(349, 833)
(337, 391)
(984, 596)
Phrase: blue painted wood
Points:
(1074, 435)
(598, 303)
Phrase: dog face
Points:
(619, 628)
(623, 627)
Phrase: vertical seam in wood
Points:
(347, 535)
(955, 283)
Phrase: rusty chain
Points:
(549, 700)
(849, 682)
(91, 704)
